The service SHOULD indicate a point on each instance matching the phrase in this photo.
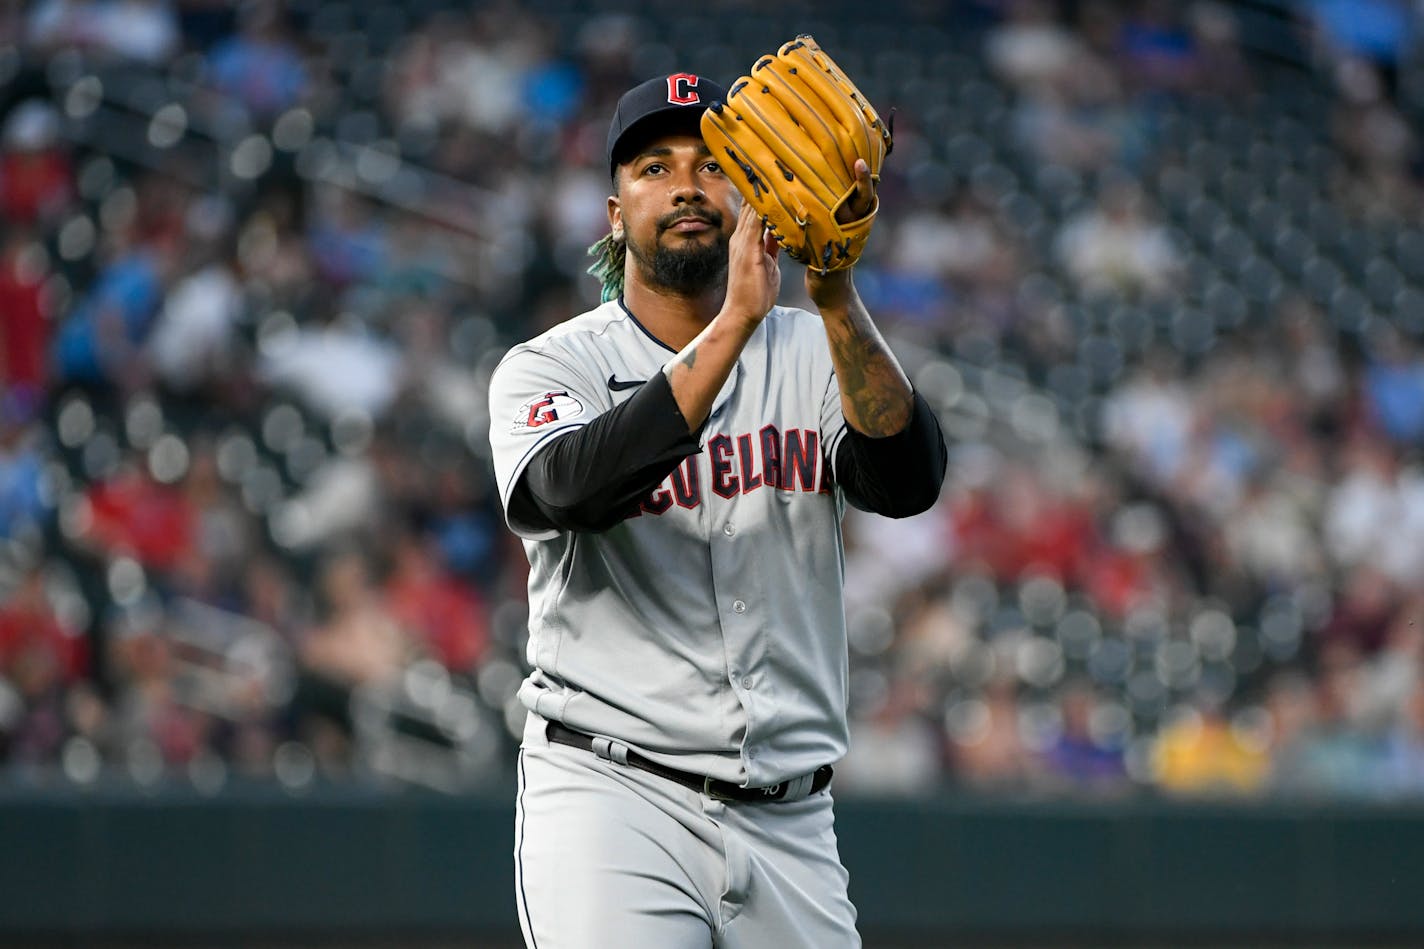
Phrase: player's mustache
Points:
(711, 217)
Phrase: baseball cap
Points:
(677, 99)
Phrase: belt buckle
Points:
(715, 795)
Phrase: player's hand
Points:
(753, 276)
(833, 290)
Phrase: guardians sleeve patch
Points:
(546, 409)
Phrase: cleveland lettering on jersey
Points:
(742, 464)
(686, 486)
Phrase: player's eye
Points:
(714, 167)
(652, 168)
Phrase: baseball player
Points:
(677, 462)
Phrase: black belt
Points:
(561, 734)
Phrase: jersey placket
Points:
(736, 584)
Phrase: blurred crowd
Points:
(1159, 266)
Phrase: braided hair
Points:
(609, 253)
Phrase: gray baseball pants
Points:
(611, 857)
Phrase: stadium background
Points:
(1153, 664)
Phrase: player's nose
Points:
(686, 187)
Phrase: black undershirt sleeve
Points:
(594, 477)
(899, 475)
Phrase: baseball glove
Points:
(793, 129)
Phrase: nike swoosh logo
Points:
(618, 386)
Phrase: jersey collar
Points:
(638, 323)
(728, 387)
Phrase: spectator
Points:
(1031, 49)
(1221, 69)
(101, 342)
(1316, 372)
(1148, 418)
(1290, 708)
(22, 479)
(894, 751)
(1330, 756)
(1270, 534)
(1373, 512)
(1131, 570)
(24, 320)
(987, 746)
(142, 30)
(1203, 753)
(1080, 756)
(335, 368)
(131, 514)
(412, 79)
(192, 340)
(888, 558)
(1362, 615)
(222, 534)
(348, 239)
(152, 727)
(955, 253)
(1081, 123)
(1378, 147)
(359, 642)
(1401, 763)
(1158, 50)
(436, 609)
(355, 643)
(464, 523)
(1394, 390)
(29, 627)
(41, 659)
(1390, 676)
(1117, 248)
(36, 179)
(1378, 30)
(260, 66)
(269, 596)
(499, 50)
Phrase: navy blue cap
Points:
(679, 98)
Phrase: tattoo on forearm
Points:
(682, 363)
(875, 396)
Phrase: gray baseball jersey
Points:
(706, 631)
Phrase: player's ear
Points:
(615, 214)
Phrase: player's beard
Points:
(689, 268)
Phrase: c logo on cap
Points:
(682, 88)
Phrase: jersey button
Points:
(728, 529)
(746, 682)
(739, 606)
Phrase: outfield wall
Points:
(348, 863)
